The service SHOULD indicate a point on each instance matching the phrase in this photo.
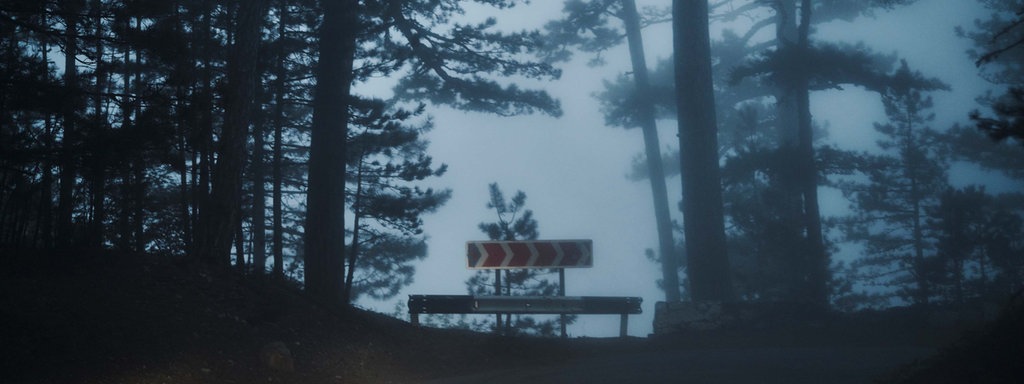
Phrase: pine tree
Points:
(70, 13)
(977, 245)
(587, 26)
(514, 222)
(959, 220)
(221, 213)
(1000, 49)
(386, 204)
(29, 105)
(457, 68)
(708, 264)
(290, 113)
(903, 185)
(794, 65)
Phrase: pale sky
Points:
(573, 169)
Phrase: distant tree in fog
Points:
(588, 26)
(514, 222)
(960, 221)
(999, 52)
(793, 65)
(903, 185)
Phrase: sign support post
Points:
(497, 292)
(561, 292)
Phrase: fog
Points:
(574, 168)
(244, 191)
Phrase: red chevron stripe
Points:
(571, 253)
(520, 255)
(492, 254)
(545, 253)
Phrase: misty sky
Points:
(573, 169)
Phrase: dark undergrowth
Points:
(126, 318)
(990, 354)
(104, 317)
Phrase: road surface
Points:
(833, 365)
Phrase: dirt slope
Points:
(128, 318)
(124, 318)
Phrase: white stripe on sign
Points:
(559, 254)
(534, 254)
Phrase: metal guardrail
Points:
(564, 305)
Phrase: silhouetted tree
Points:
(289, 115)
(1000, 49)
(904, 184)
(586, 25)
(222, 210)
(30, 104)
(388, 159)
(325, 200)
(1003, 247)
(514, 222)
(796, 65)
(450, 68)
(70, 12)
(959, 220)
(708, 264)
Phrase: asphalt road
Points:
(710, 366)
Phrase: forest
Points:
(231, 133)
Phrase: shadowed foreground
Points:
(792, 365)
(107, 318)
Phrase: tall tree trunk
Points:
(46, 181)
(279, 97)
(704, 225)
(98, 186)
(186, 69)
(239, 237)
(98, 173)
(805, 264)
(353, 254)
(919, 268)
(259, 204)
(786, 103)
(221, 214)
(652, 148)
(184, 192)
(817, 262)
(204, 137)
(138, 168)
(123, 227)
(325, 200)
(138, 199)
(5, 208)
(790, 259)
(68, 159)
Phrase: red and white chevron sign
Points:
(529, 254)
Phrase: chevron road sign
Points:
(529, 254)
